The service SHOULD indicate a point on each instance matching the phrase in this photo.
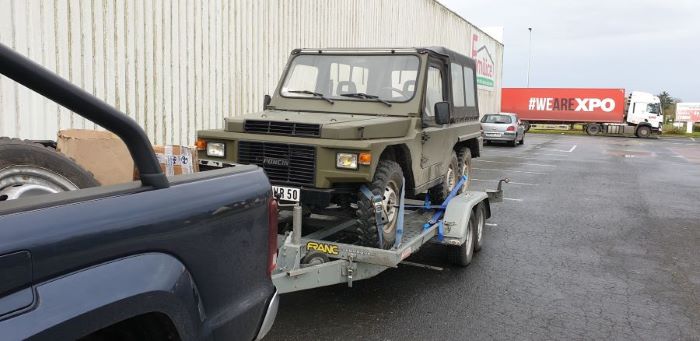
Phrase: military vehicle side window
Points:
(433, 91)
(302, 77)
(354, 76)
(469, 86)
(457, 85)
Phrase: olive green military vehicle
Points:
(342, 118)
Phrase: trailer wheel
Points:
(462, 255)
(480, 217)
(29, 169)
(643, 132)
(593, 129)
(439, 193)
(387, 184)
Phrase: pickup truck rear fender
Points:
(215, 223)
(88, 300)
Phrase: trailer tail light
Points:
(272, 235)
(510, 128)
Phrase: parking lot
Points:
(597, 238)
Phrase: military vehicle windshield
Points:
(373, 78)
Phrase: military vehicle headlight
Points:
(346, 160)
(216, 149)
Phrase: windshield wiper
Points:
(366, 96)
(317, 94)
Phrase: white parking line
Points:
(510, 183)
(509, 170)
(531, 158)
(512, 199)
(558, 150)
(692, 138)
(523, 163)
(491, 224)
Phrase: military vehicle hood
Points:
(316, 124)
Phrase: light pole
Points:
(529, 56)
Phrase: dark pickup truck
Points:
(180, 258)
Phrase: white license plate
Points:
(286, 193)
(495, 134)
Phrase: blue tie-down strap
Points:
(377, 204)
(440, 211)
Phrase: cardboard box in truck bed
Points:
(565, 104)
(100, 152)
(106, 156)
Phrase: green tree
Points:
(668, 104)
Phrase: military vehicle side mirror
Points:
(442, 112)
(266, 101)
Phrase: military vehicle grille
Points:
(283, 163)
(283, 128)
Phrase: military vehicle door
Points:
(436, 153)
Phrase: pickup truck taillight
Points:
(272, 237)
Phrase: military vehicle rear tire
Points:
(387, 184)
(464, 159)
(439, 193)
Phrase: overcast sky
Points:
(637, 45)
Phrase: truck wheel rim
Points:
(26, 181)
(465, 171)
(389, 201)
(479, 225)
(450, 178)
(470, 236)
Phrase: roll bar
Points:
(48, 84)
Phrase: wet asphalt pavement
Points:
(599, 238)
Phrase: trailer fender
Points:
(458, 213)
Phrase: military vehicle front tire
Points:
(387, 182)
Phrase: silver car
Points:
(503, 127)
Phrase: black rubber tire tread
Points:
(513, 143)
(367, 227)
(591, 131)
(22, 152)
(461, 255)
(465, 153)
(645, 128)
(439, 193)
(479, 210)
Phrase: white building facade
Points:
(183, 65)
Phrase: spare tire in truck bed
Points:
(28, 169)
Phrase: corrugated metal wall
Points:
(182, 65)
